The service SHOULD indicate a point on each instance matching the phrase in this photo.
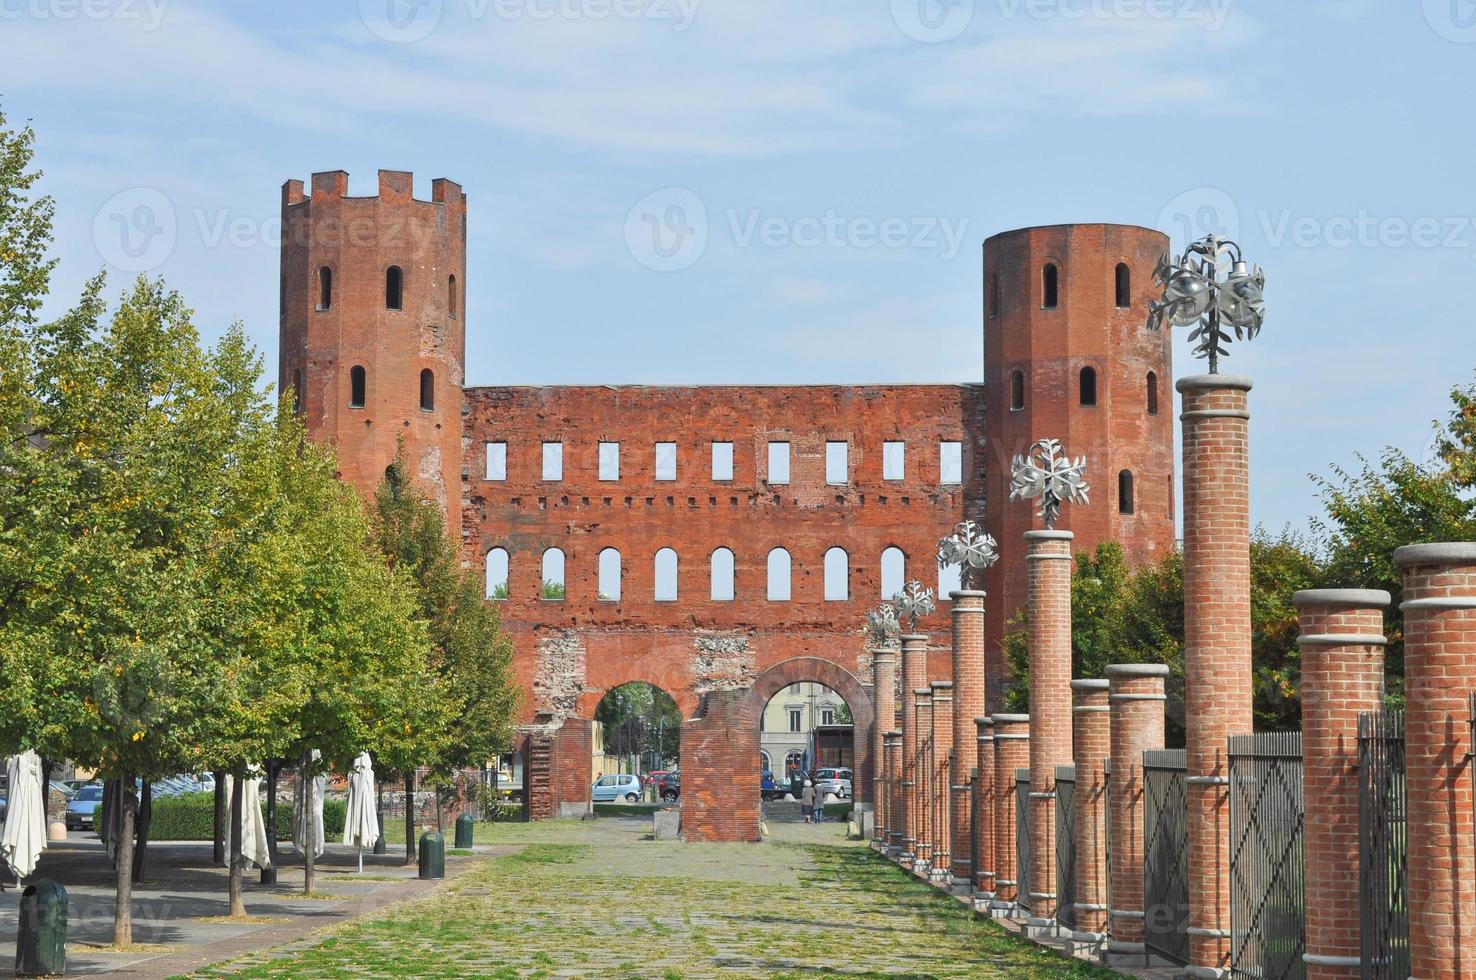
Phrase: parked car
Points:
(624, 788)
(771, 789)
(82, 808)
(670, 787)
(837, 781)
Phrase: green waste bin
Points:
(41, 943)
(465, 830)
(432, 854)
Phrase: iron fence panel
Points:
(1066, 846)
(1022, 838)
(1166, 853)
(1267, 924)
(1382, 847)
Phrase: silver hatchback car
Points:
(836, 781)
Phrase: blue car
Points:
(617, 789)
(82, 808)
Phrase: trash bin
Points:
(465, 830)
(432, 855)
(41, 943)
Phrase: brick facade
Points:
(1342, 646)
(1137, 699)
(1091, 745)
(1050, 566)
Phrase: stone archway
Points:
(720, 784)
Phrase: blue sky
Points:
(849, 157)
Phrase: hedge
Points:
(191, 816)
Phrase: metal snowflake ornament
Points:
(1048, 473)
(1194, 294)
(970, 549)
(882, 625)
(912, 603)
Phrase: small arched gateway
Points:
(720, 785)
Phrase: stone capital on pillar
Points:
(1439, 606)
(1091, 740)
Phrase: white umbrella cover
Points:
(253, 827)
(24, 836)
(361, 825)
(307, 811)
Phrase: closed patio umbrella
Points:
(307, 810)
(361, 824)
(24, 836)
(253, 828)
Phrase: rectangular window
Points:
(837, 464)
(827, 716)
(950, 463)
(609, 461)
(497, 461)
(778, 463)
(666, 460)
(553, 460)
(894, 460)
(722, 461)
(794, 719)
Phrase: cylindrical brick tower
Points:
(968, 705)
(1091, 745)
(1068, 355)
(1439, 675)
(373, 326)
(1137, 712)
(1342, 643)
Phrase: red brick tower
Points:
(1068, 355)
(373, 330)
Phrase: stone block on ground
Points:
(668, 824)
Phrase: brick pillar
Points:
(1011, 752)
(1049, 564)
(914, 676)
(1136, 719)
(896, 802)
(1091, 741)
(922, 767)
(970, 691)
(1342, 643)
(984, 846)
(1439, 674)
(1217, 643)
(942, 779)
(884, 696)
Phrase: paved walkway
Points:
(602, 899)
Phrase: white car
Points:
(617, 789)
(834, 781)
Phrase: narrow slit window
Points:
(1125, 503)
(994, 296)
(297, 392)
(325, 288)
(358, 385)
(394, 288)
(1152, 392)
(1124, 286)
(427, 390)
(1088, 386)
(1050, 286)
(1017, 391)
(451, 302)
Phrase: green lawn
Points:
(597, 899)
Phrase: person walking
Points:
(807, 800)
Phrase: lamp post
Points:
(1195, 294)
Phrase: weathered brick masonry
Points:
(373, 327)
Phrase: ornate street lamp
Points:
(1193, 294)
(1048, 473)
(912, 603)
(970, 549)
(882, 626)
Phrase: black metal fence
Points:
(1382, 846)
(1266, 824)
(1166, 854)
(1066, 846)
(1022, 838)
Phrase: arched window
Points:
(993, 295)
(779, 575)
(609, 588)
(451, 295)
(722, 576)
(1050, 286)
(297, 391)
(1152, 392)
(394, 288)
(1124, 285)
(427, 390)
(1125, 492)
(1017, 391)
(497, 573)
(666, 575)
(325, 288)
(893, 572)
(358, 385)
(553, 575)
(837, 575)
(1088, 386)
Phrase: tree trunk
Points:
(380, 845)
(145, 817)
(269, 875)
(309, 805)
(123, 896)
(409, 815)
(218, 855)
(238, 902)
